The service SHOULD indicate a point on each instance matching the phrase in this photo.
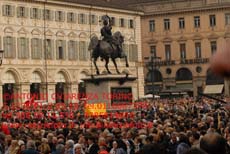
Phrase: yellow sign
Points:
(95, 109)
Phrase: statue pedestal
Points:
(118, 91)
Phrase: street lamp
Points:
(1, 56)
(152, 64)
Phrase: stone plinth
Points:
(117, 91)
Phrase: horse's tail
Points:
(93, 43)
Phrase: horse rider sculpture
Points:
(106, 33)
(110, 47)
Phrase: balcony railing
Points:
(194, 61)
(165, 63)
(182, 61)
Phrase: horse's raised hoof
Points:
(98, 72)
(109, 72)
(127, 65)
(118, 72)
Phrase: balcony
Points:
(195, 61)
(165, 63)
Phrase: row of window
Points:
(181, 22)
(77, 50)
(61, 16)
(198, 53)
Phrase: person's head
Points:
(109, 137)
(213, 143)
(50, 137)
(60, 149)
(150, 148)
(77, 148)
(91, 140)
(69, 144)
(195, 136)
(183, 139)
(2, 137)
(44, 140)
(22, 147)
(8, 139)
(115, 144)
(174, 137)
(101, 140)
(54, 140)
(30, 145)
(82, 140)
(61, 141)
(182, 148)
(105, 22)
(149, 139)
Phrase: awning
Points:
(213, 89)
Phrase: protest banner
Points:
(95, 109)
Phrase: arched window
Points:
(183, 74)
(154, 76)
(212, 79)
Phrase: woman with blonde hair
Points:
(14, 147)
(44, 148)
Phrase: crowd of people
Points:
(169, 126)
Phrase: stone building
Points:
(184, 34)
(61, 29)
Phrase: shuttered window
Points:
(22, 12)
(72, 50)
(9, 44)
(60, 49)
(82, 50)
(60, 16)
(23, 47)
(82, 19)
(47, 14)
(36, 48)
(49, 48)
(133, 52)
(35, 13)
(71, 17)
(8, 10)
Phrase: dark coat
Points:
(30, 151)
(94, 149)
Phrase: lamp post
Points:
(1, 56)
(152, 65)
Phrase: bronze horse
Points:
(104, 50)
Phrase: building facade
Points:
(184, 34)
(46, 47)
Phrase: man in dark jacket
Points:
(31, 148)
(93, 148)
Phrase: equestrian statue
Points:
(109, 47)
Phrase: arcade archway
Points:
(60, 87)
(9, 84)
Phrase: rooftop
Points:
(118, 4)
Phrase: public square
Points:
(115, 77)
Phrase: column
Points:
(68, 92)
(43, 95)
(19, 99)
(74, 90)
(1, 97)
(227, 87)
(23, 91)
(51, 92)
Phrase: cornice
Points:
(187, 10)
(89, 7)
